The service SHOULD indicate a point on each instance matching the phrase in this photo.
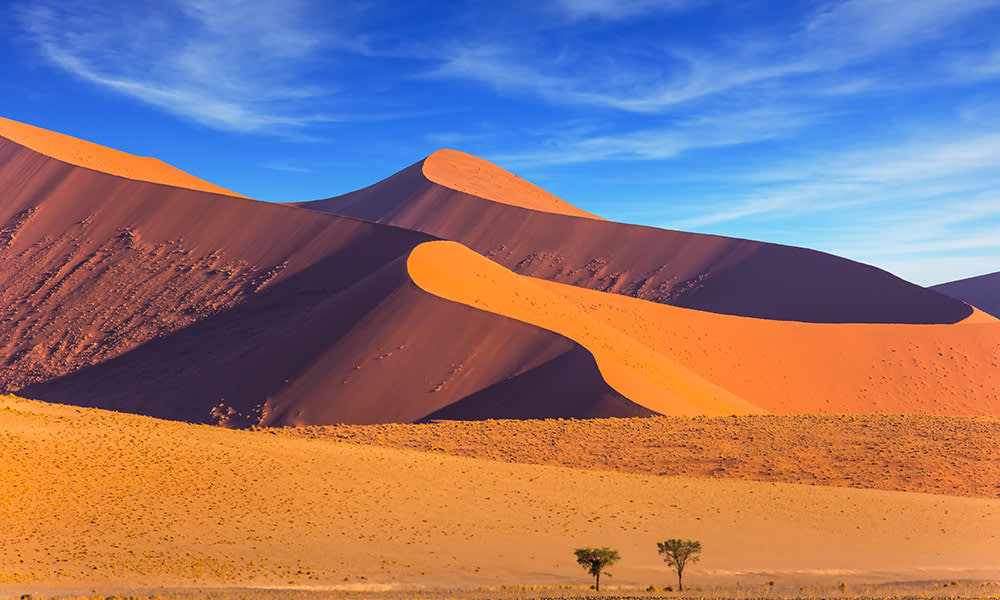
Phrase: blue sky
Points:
(870, 129)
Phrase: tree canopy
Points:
(595, 560)
(678, 553)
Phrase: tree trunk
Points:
(680, 585)
(598, 586)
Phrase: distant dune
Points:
(97, 499)
(983, 292)
(712, 273)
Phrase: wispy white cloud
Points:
(959, 165)
(614, 10)
(285, 166)
(934, 198)
(229, 64)
(707, 130)
(839, 36)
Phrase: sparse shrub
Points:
(595, 560)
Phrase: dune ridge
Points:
(96, 498)
(705, 272)
(89, 155)
(476, 177)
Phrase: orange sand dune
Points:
(466, 173)
(674, 360)
(452, 271)
(97, 499)
(789, 367)
(99, 158)
(177, 303)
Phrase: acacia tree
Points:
(595, 560)
(678, 553)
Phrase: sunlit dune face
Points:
(794, 368)
(680, 361)
(452, 271)
(465, 173)
(99, 158)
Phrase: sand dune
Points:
(85, 154)
(184, 304)
(982, 292)
(97, 498)
(712, 273)
(187, 305)
(679, 361)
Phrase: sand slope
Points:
(452, 271)
(679, 361)
(92, 497)
(476, 177)
(982, 292)
(85, 154)
(188, 305)
(788, 367)
(712, 273)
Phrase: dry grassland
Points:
(923, 590)
(957, 456)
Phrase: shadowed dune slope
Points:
(189, 305)
(92, 497)
(983, 292)
(93, 156)
(712, 273)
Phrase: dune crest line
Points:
(93, 156)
